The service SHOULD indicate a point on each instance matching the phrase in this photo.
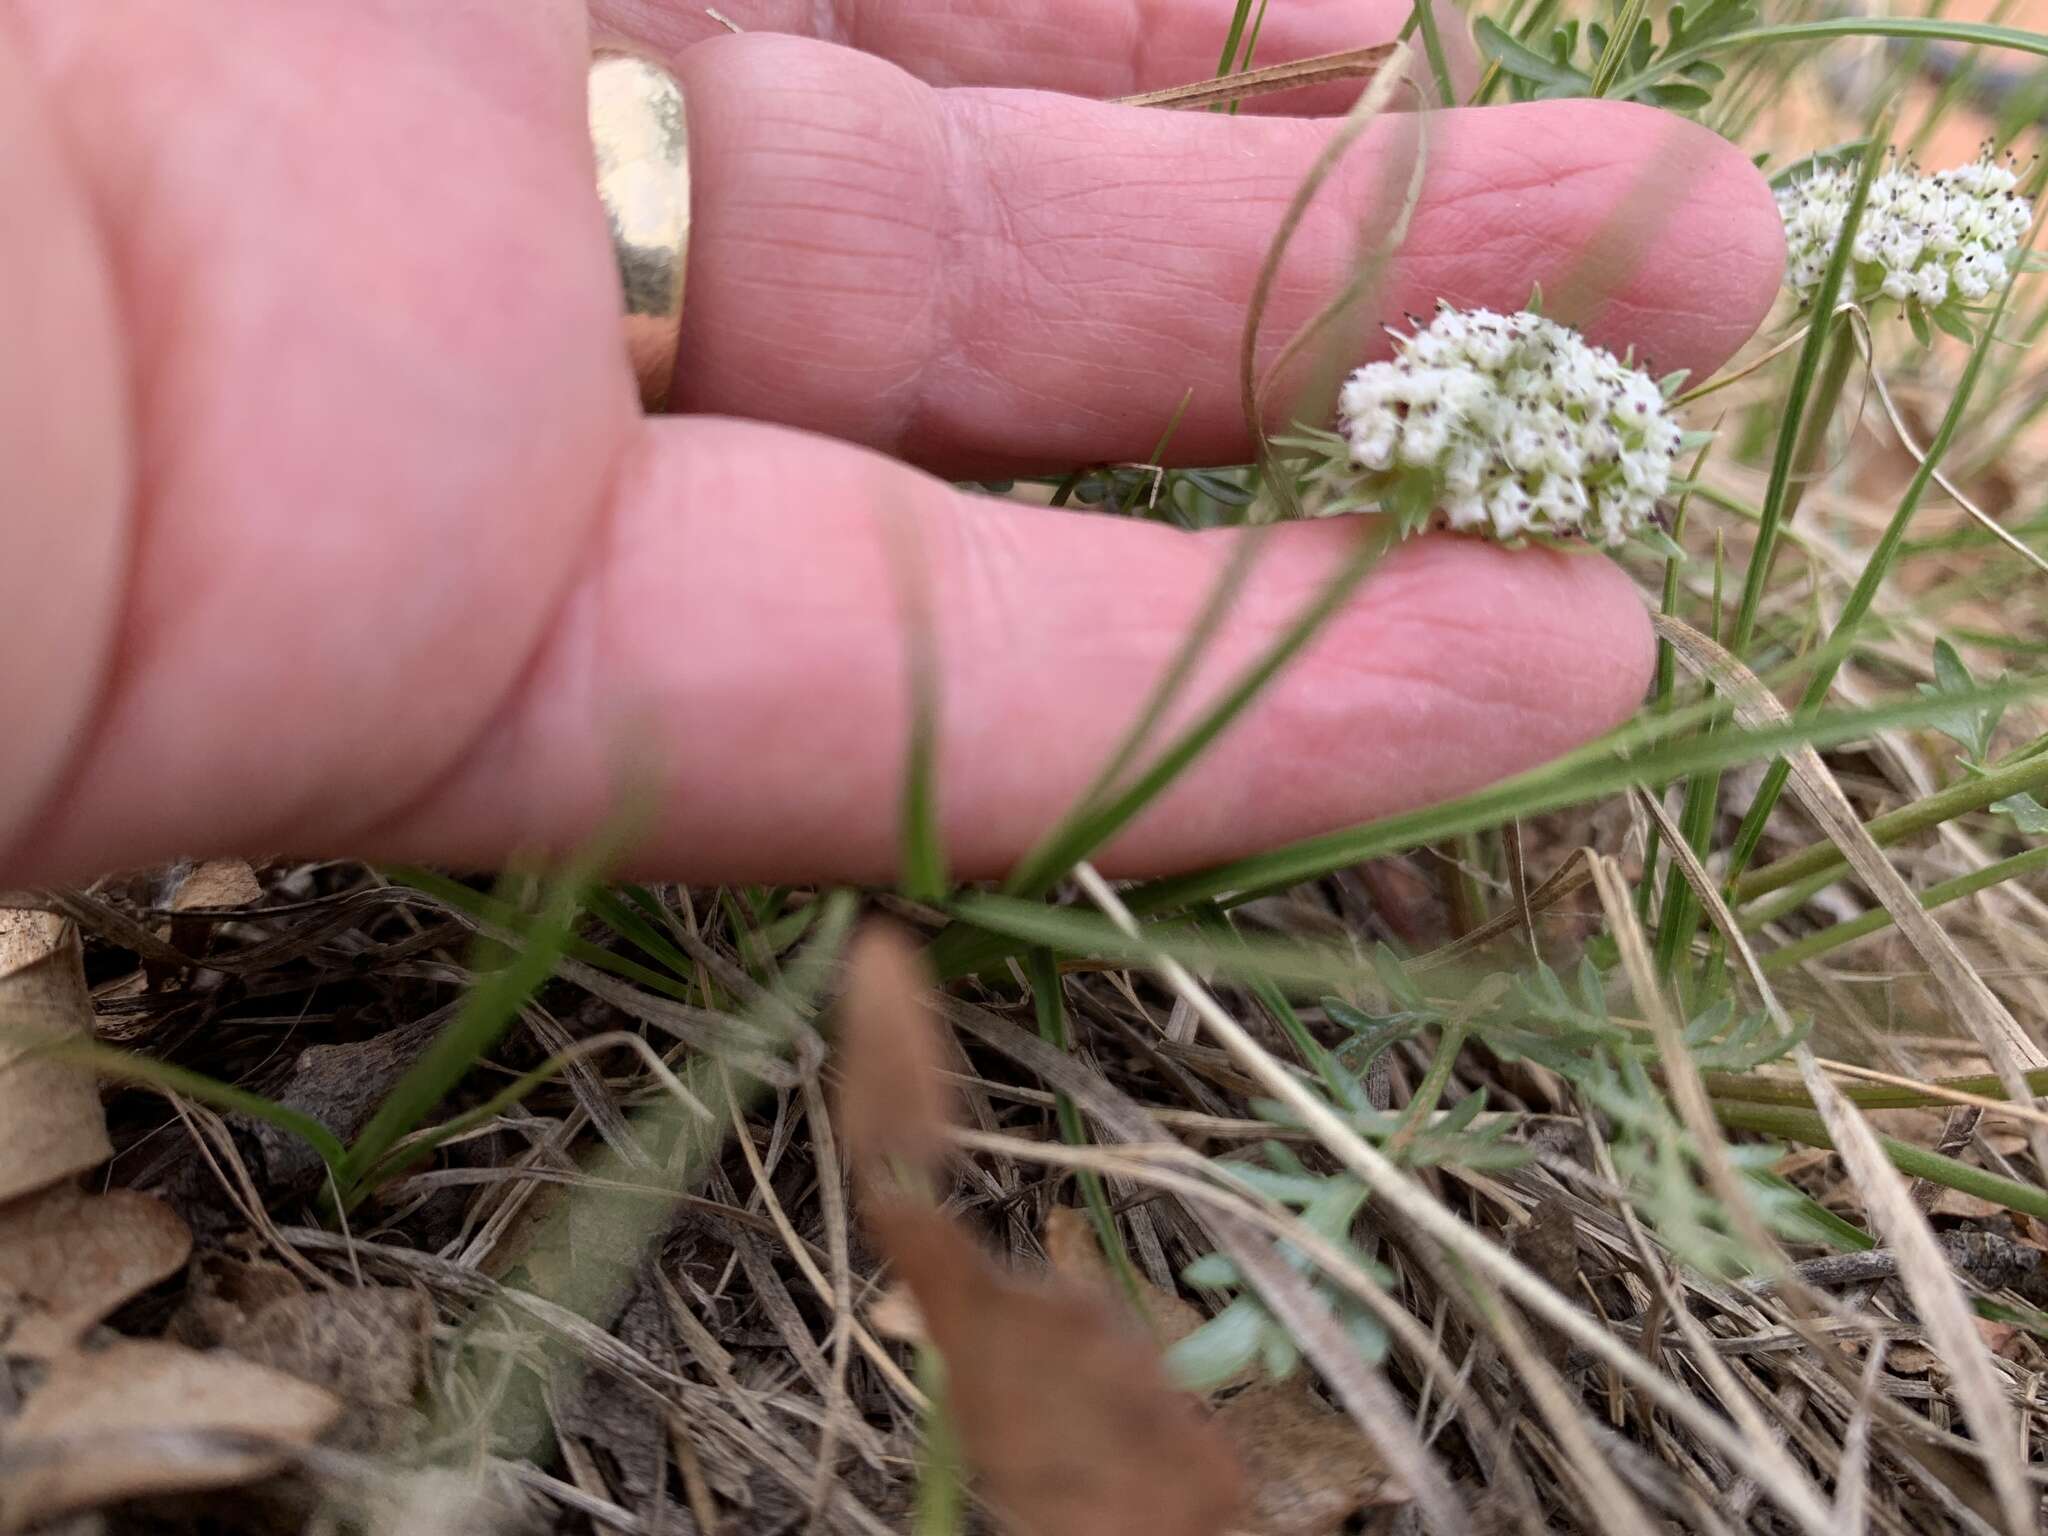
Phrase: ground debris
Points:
(140, 1417)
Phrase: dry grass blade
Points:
(1329, 68)
(1062, 1406)
(1241, 1227)
(145, 1418)
(1697, 1110)
(67, 1259)
(1943, 1307)
(1922, 1265)
(1680, 1070)
(50, 1121)
(1568, 879)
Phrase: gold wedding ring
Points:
(642, 138)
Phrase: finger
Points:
(370, 432)
(1099, 48)
(995, 281)
(63, 474)
(738, 653)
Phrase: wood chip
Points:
(141, 1417)
(67, 1259)
(216, 885)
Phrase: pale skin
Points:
(329, 522)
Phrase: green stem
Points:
(1423, 18)
(1805, 1127)
(941, 1475)
(1049, 1003)
(1824, 859)
(1306, 1045)
(1802, 950)
(1791, 476)
(1750, 1088)
(1681, 910)
(1976, 33)
(148, 1072)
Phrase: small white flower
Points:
(1511, 425)
(1925, 241)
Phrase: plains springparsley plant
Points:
(1512, 426)
(1939, 245)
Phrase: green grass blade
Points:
(1631, 757)
(489, 1010)
(923, 853)
(1978, 33)
(148, 1072)
(1568, 781)
(1823, 860)
(1422, 18)
(1091, 828)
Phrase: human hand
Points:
(331, 523)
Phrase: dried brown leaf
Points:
(214, 885)
(368, 1347)
(1077, 1257)
(1061, 1405)
(141, 1417)
(894, 1107)
(1308, 1468)
(222, 1292)
(51, 1126)
(67, 1259)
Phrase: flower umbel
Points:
(1935, 244)
(1510, 425)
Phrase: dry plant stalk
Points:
(1061, 1404)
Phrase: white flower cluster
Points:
(1511, 425)
(1924, 240)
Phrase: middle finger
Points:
(1003, 281)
